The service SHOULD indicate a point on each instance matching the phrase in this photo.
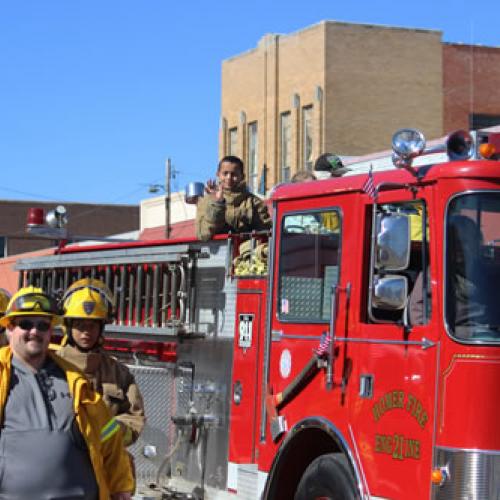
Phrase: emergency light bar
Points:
(52, 226)
(408, 144)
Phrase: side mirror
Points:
(393, 242)
(389, 292)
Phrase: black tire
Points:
(328, 477)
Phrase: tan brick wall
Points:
(262, 84)
(380, 79)
(362, 81)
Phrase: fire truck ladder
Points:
(154, 287)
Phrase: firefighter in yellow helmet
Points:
(88, 305)
(58, 438)
(4, 300)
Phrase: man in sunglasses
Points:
(58, 439)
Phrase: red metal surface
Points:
(468, 416)
(245, 418)
(442, 395)
(162, 351)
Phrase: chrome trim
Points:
(278, 335)
(269, 322)
(436, 401)
(141, 255)
(378, 188)
(334, 298)
(133, 330)
(473, 475)
(468, 450)
(364, 486)
(316, 422)
(425, 343)
(445, 270)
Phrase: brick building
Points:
(83, 219)
(346, 88)
(471, 86)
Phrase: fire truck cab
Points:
(359, 361)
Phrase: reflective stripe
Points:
(109, 429)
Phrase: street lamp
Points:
(156, 188)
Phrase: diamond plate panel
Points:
(303, 296)
(158, 391)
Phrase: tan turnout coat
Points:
(241, 212)
(113, 380)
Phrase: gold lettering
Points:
(410, 403)
(417, 450)
(400, 396)
(388, 400)
(398, 446)
(409, 448)
(423, 419)
(417, 411)
(397, 452)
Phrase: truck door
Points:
(310, 258)
(394, 348)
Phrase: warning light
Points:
(487, 150)
(439, 476)
(35, 217)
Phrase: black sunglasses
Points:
(28, 324)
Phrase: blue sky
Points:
(95, 95)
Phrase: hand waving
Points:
(212, 188)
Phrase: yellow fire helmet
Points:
(4, 300)
(30, 301)
(88, 299)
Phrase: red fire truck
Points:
(363, 364)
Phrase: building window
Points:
(478, 121)
(3, 246)
(307, 140)
(253, 152)
(286, 146)
(233, 141)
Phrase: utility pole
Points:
(168, 181)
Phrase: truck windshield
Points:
(473, 267)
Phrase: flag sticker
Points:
(369, 185)
(284, 306)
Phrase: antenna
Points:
(471, 78)
(168, 190)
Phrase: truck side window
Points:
(414, 307)
(473, 267)
(309, 265)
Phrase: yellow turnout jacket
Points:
(100, 430)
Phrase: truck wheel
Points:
(328, 477)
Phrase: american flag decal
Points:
(369, 186)
(324, 344)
